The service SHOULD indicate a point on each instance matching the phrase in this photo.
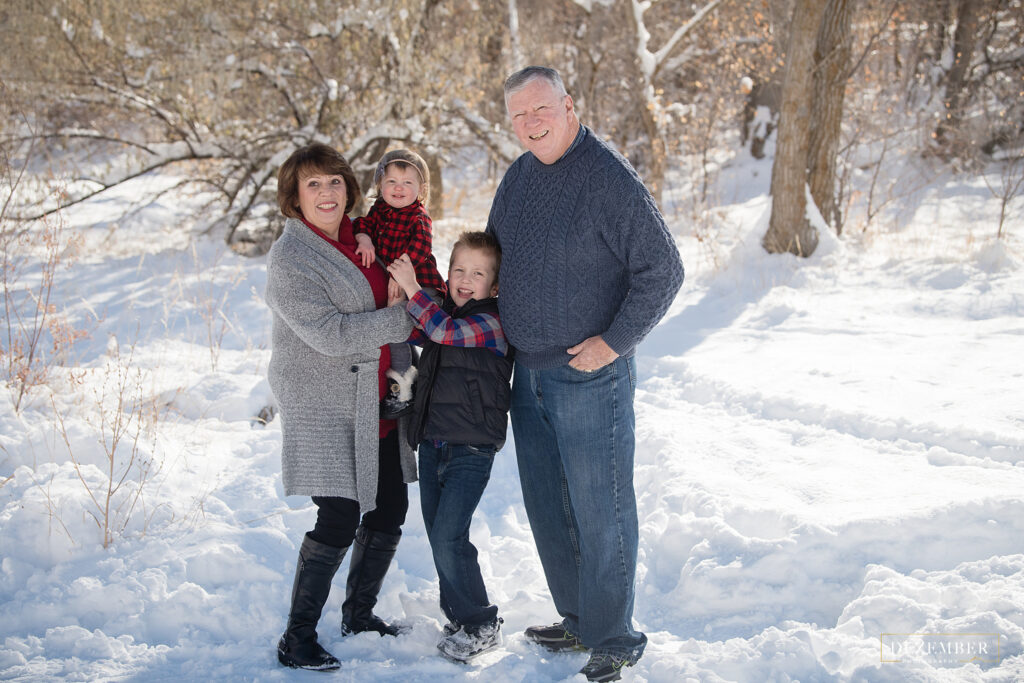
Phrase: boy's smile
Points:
(472, 275)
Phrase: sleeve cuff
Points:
(619, 343)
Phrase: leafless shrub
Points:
(123, 419)
(35, 334)
(210, 300)
(1009, 186)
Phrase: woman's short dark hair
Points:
(315, 158)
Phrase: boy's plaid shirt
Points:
(403, 231)
(477, 330)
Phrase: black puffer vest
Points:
(462, 394)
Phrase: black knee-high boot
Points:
(372, 552)
(298, 647)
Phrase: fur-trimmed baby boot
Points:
(398, 401)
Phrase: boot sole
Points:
(292, 664)
(467, 658)
(558, 645)
(400, 630)
(616, 676)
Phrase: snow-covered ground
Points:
(830, 457)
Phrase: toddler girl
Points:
(397, 224)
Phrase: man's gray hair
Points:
(523, 77)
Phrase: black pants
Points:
(338, 518)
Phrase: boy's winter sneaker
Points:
(554, 637)
(605, 667)
(469, 641)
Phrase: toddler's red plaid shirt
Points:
(403, 231)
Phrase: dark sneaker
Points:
(554, 637)
(605, 667)
(469, 641)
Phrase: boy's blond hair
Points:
(404, 158)
(484, 241)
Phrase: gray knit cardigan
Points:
(326, 342)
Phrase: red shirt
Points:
(378, 279)
(407, 230)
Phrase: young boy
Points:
(398, 223)
(459, 421)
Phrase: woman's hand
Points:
(364, 249)
(404, 274)
(395, 292)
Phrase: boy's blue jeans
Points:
(452, 480)
(574, 436)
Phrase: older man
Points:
(588, 268)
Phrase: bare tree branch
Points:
(78, 134)
(681, 32)
(108, 185)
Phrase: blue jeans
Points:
(452, 480)
(574, 436)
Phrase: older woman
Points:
(331, 327)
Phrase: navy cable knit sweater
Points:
(585, 251)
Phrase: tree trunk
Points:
(371, 155)
(964, 39)
(655, 176)
(788, 230)
(436, 204)
(654, 171)
(515, 51)
(831, 62)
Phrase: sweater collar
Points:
(567, 157)
(574, 144)
(345, 238)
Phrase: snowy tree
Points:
(982, 68)
(221, 93)
(224, 93)
(831, 64)
(654, 77)
(649, 64)
(789, 230)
